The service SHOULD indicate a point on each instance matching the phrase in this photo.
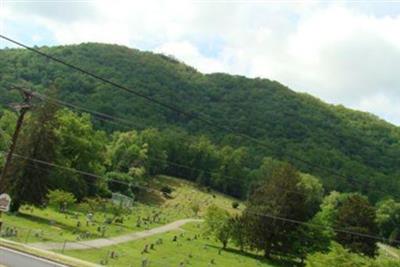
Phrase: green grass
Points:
(390, 252)
(193, 252)
(49, 225)
(41, 225)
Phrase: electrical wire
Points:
(188, 114)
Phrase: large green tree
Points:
(28, 178)
(280, 198)
(355, 220)
(79, 147)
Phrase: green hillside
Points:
(360, 146)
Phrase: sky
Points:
(343, 52)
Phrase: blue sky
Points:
(342, 52)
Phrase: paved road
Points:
(12, 258)
(104, 242)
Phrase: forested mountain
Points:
(290, 126)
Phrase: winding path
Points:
(104, 242)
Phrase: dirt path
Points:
(104, 242)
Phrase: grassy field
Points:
(190, 249)
(42, 225)
(389, 251)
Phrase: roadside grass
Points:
(190, 249)
(49, 225)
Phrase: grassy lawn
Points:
(190, 251)
(387, 251)
(42, 225)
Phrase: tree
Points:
(314, 191)
(356, 214)
(38, 141)
(218, 224)
(388, 219)
(60, 199)
(237, 226)
(7, 124)
(280, 197)
(79, 147)
(125, 152)
(232, 171)
(263, 172)
(156, 155)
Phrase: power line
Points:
(188, 114)
(191, 115)
(85, 173)
(284, 219)
(103, 115)
(123, 122)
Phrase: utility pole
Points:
(22, 108)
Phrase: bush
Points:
(339, 256)
(235, 204)
(60, 199)
(166, 190)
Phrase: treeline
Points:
(362, 148)
(56, 142)
(288, 216)
(288, 213)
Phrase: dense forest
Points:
(349, 150)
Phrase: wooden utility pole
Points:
(22, 108)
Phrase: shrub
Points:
(166, 190)
(235, 204)
(61, 199)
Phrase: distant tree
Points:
(218, 224)
(156, 155)
(231, 175)
(356, 214)
(203, 156)
(60, 199)
(125, 152)
(388, 220)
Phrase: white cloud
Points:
(190, 54)
(381, 104)
(342, 53)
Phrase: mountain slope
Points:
(365, 149)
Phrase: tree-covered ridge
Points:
(290, 125)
